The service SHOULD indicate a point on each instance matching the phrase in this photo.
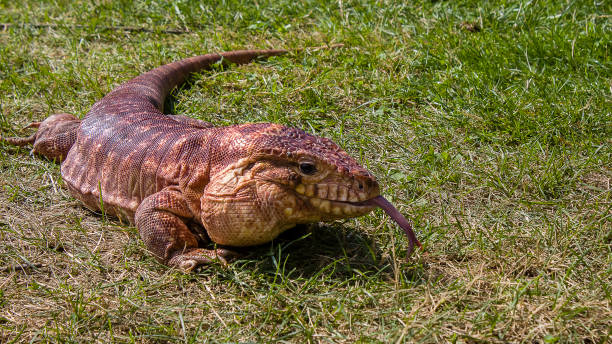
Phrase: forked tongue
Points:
(399, 219)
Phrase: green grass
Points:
(496, 143)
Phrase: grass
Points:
(487, 122)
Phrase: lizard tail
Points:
(19, 141)
(153, 87)
(22, 141)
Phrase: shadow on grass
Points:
(310, 250)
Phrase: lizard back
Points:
(127, 148)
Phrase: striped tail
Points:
(153, 86)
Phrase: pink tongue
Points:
(398, 218)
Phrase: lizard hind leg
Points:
(56, 135)
(22, 141)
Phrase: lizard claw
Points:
(32, 125)
(190, 260)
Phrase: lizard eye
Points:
(308, 168)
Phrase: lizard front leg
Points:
(161, 220)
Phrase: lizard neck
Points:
(195, 165)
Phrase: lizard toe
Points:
(191, 260)
(188, 265)
(226, 256)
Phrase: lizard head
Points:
(305, 178)
(323, 181)
(268, 177)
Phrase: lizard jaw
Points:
(339, 201)
(335, 192)
(341, 209)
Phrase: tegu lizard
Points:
(183, 181)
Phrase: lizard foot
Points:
(190, 260)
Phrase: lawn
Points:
(487, 123)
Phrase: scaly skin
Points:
(182, 181)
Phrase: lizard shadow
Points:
(307, 250)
